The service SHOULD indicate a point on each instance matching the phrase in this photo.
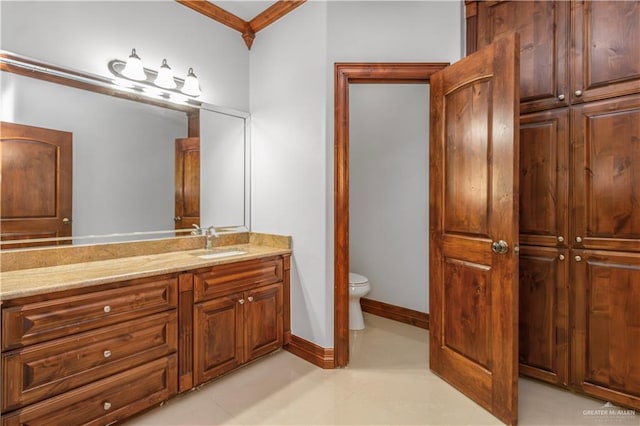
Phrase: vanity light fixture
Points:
(162, 82)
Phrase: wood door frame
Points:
(345, 74)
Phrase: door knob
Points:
(66, 221)
(500, 247)
(177, 219)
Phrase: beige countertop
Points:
(27, 282)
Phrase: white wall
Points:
(389, 191)
(86, 35)
(292, 105)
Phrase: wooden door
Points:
(606, 181)
(187, 198)
(474, 212)
(605, 343)
(544, 314)
(36, 183)
(543, 28)
(606, 49)
(263, 321)
(218, 336)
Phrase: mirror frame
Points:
(28, 67)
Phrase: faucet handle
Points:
(197, 230)
(211, 231)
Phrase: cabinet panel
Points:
(106, 401)
(542, 26)
(606, 54)
(234, 277)
(263, 321)
(544, 314)
(606, 176)
(544, 152)
(44, 370)
(606, 329)
(218, 336)
(25, 323)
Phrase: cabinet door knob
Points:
(561, 257)
(560, 239)
(578, 239)
(107, 309)
(561, 97)
(106, 353)
(578, 258)
(106, 406)
(578, 93)
(250, 298)
(241, 301)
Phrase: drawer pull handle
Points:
(578, 93)
(560, 239)
(561, 96)
(561, 257)
(250, 298)
(106, 406)
(107, 309)
(107, 353)
(241, 301)
(578, 258)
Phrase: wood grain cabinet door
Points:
(606, 174)
(606, 49)
(606, 328)
(544, 171)
(543, 27)
(263, 321)
(218, 336)
(544, 314)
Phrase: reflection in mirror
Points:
(123, 178)
(223, 148)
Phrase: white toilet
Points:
(358, 287)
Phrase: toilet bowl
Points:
(358, 287)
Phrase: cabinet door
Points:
(542, 26)
(606, 327)
(544, 314)
(606, 174)
(606, 53)
(263, 320)
(544, 151)
(218, 336)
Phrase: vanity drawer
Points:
(37, 319)
(106, 401)
(47, 369)
(233, 277)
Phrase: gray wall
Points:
(292, 95)
(389, 191)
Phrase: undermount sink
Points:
(220, 254)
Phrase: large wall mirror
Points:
(124, 158)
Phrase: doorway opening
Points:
(346, 74)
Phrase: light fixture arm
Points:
(116, 66)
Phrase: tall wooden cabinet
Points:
(579, 188)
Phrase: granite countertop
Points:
(27, 282)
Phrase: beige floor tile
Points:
(387, 382)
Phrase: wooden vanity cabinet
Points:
(67, 356)
(238, 315)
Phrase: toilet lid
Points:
(356, 279)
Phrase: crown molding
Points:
(247, 29)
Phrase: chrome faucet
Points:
(210, 233)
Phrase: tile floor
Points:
(387, 383)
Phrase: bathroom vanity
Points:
(96, 342)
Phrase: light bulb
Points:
(165, 77)
(134, 68)
(191, 86)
